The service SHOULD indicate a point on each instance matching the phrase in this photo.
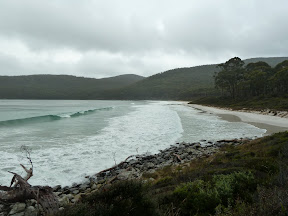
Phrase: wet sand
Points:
(272, 124)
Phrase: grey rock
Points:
(57, 188)
(132, 161)
(1, 207)
(151, 171)
(73, 189)
(75, 184)
(70, 196)
(197, 146)
(190, 150)
(139, 166)
(83, 187)
(184, 155)
(182, 145)
(76, 192)
(30, 211)
(94, 186)
(31, 202)
(57, 193)
(88, 190)
(39, 207)
(125, 175)
(149, 165)
(18, 214)
(64, 201)
(17, 207)
(101, 181)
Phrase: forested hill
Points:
(175, 84)
(61, 86)
(180, 83)
(272, 61)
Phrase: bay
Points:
(72, 139)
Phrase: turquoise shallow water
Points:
(72, 139)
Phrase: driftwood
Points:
(178, 157)
(26, 178)
(23, 191)
(117, 165)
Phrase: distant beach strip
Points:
(272, 124)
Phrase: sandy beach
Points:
(272, 124)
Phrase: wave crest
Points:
(49, 118)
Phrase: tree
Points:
(281, 81)
(256, 78)
(230, 76)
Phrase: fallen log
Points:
(117, 165)
(23, 191)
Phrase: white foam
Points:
(149, 128)
(199, 125)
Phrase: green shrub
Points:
(164, 181)
(233, 186)
(202, 197)
(124, 198)
(196, 197)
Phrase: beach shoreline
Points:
(272, 124)
(180, 154)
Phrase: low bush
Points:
(123, 198)
(202, 197)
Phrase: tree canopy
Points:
(254, 79)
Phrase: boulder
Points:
(30, 211)
(76, 192)
(149, 165)
(94, 186)
(64, 201)
(31, 202)
(124, 175)
(57, 188)
(17, 207)
(18, 214)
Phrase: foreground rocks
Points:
(133, 168)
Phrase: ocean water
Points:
(72, 139)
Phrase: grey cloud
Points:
(55, 24)
(9, 66)
(143, 37)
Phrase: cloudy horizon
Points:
(99, 39)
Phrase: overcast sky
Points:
(94, 38)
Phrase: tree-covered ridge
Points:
(60, 86)
(181, 83)
(254, 79)
(175, 84)
(272, 61)
(178, 83)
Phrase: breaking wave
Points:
(49, 118)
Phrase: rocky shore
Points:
(132, 168)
